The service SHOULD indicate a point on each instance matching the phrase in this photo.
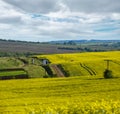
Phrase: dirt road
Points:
(57, 70)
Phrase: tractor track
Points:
(89, 70)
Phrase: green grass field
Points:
(34, 70)
(9, 62)
(12, 73)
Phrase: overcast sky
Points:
(46, 20)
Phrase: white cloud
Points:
(115, 16)
(59, 19)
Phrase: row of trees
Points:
(83, 49)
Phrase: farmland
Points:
(93, 63)
(53, 95)
(81, 92)
(12, 66)
(15, 48)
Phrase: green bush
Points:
(48, 70)
(108, 74)
(46, 76)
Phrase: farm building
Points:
(44, 61)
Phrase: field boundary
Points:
(12, 69)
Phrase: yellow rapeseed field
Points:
(72, 95)
(78, 64)
(82, 57)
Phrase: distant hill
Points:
(11, 47)
(84, 41)
(23, 47)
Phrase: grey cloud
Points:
(35, 6)
(93, 6)
(11, 20)
(46, 6)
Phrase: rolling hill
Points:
(15, 48)
(85, 91)
(93, 63)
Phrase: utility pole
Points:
(108, 61)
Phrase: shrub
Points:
(48, 70)
(108, 74)
(46, 76)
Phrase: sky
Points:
(48, 20)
